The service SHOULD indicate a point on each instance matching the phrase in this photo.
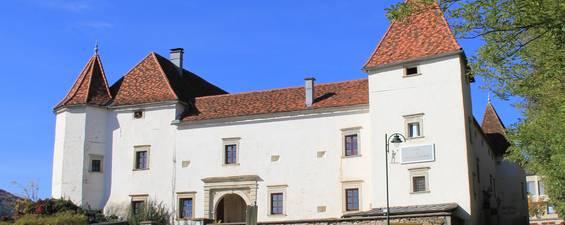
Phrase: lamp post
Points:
(395, 139)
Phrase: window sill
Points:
(351, 156)
(230, 165)
(352, 211)
(184, 219)
(277, 215)
(420, 192)
(416, 138)
(411, 75)
(140, 169)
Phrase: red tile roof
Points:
(423, 33)
(494, 129)
(156, 79)
(90, 88)
(347, 93)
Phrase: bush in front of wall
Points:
(151, 211)
(64, 218)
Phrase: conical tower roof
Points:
(423, 33)
(90, 88)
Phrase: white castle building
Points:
(300, 153)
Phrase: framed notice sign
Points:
(417, 154)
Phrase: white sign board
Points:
(417, 154)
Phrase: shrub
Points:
(152, 211)
(65, 218)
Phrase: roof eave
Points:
(413, 60)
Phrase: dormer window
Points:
(411, 71)
(138, 114)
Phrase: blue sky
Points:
(238, 45)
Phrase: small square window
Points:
(411, 71)
(96, 165)
(138, 114)
(230, 154)
(414, 129)
(352, 199)
(413, 125)
(185, 208)
(351, 145)
(419, 180)
(418, 184)
(277, 202)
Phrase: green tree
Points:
(522, 55)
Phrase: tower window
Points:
(411, 71)
(138, 114)
(96, 164)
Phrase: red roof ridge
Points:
(163, 73)
(279, 89)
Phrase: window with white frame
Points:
(186, 202)
(230, 151)
(419, 180)
(96, 163)
(350, 141)
(352, 196)
(141, 158)
(414, 125)
(277, 200)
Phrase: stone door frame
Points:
(215, 188)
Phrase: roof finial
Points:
(96, 48)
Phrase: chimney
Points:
(176, 57)
(309, 90)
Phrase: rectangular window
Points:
(277, 202)
(137, 203)
(414, 125)
(351, 145)
(185, 208)
(141, 160)
(352, 199)
(137, 207)
(411, 71)
(350, 141)
(414, 129)
(419, 184)
(419, 180)
(541, 188)
(96, 165)
(532, 188)
(230, 154)
(138, 114)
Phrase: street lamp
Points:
(396, 139)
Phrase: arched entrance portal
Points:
(231, 209)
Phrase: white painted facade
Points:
(297, 153)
